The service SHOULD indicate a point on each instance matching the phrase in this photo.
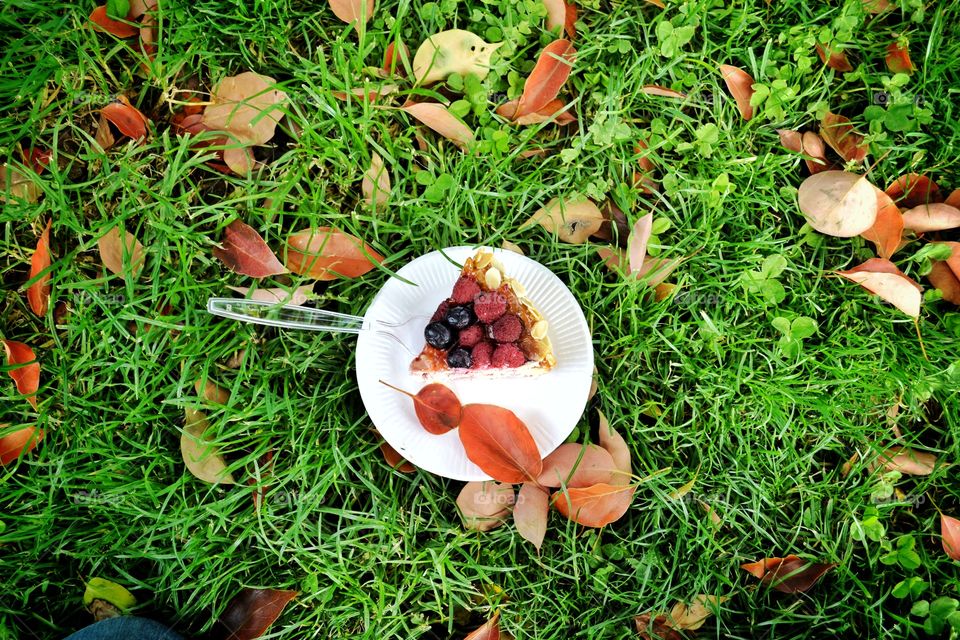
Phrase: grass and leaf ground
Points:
(763, 413)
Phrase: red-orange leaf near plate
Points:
(931, 217)
(576, 465)
(530, 513)
(252, 611)
(834, 59)
(740, 85)
(887, 229)
(438, 117)
(18, 443)
(595, 506)
(326, 253)
(437, 407)
(25, 376)
(498, 442)
(38, 294)
(126, 118)
(490, 630)
(547, 78)
(898, 58)
(882, 277)
(394, 460)
(950, 536)
(244, 251)
(788, 575)
(485, 505)
(912, 190)
(837, 131)
(102, 22)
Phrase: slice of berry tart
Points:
(487, 326)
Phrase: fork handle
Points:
(286, 316)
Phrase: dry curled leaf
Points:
(907, 460)
(838, 132)
(201, 457)
(375, 185)
(838, 203)
(931, 217)
(16, 185)
(657, 627)
(452, 51)
(530, 513)
(277, 294)
(485, 505)
(835, 59)
(17, 443)
(26, 369)
(355, 12)
(740, 84)
(573, 219)
(912, 190)
(438, 117)
(126, 118)
(898, 58)
(325, 253)
(950, 536)
(576, 465)
(547, 78)
(38, 294)
(252, 611)
(245, 252)
(637, 246)
(887, 229)
(121, 257)
(594, 506)
(498, 442)
(246, 105)
(662, 92)
(788, 575)
(882, 277)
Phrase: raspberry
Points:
(481, 355)
(506, 329)
(471, 336)
(489, 306)
(465, 290)
(441, 311)
(508, 355)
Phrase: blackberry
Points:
(460, 317)
(438, 335)
(459, 358)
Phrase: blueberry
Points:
(459, 358)
(438, 335)
(460, 317)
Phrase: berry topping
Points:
(508, 355)
(441, 312)
(460, 317)
(489, 306)
(506, 329)
(465, 290)
(471, 336)
(459, 358)
(482, 355)
(438, 335)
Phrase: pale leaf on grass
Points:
(355, 12)
(814, 147)
(530, 513)
(16, 185)
(950, 536)
(121, 257)
(662, 92)
(437, 117)
(838, 203)
(680, 492)
(638, 241)
(931, 217)
(509, 246)
(247, 105)
(375, 185)
(907, 460)
(617, 447)
(690, 617)
(202, 457)
(576, 465)
(240, 160)
(211, 392)
(572, 219)
(277, 294)
(485, 505)
(882, 277)
(452, 51)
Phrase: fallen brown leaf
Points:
(26, 374)
(38, 294)
(882, 277)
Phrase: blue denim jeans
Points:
(125, 628)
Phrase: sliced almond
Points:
(539, 330)
(483, 259)
(493, 278)
(518, 288)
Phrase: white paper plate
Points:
(550, 404)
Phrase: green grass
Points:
(699, 387)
